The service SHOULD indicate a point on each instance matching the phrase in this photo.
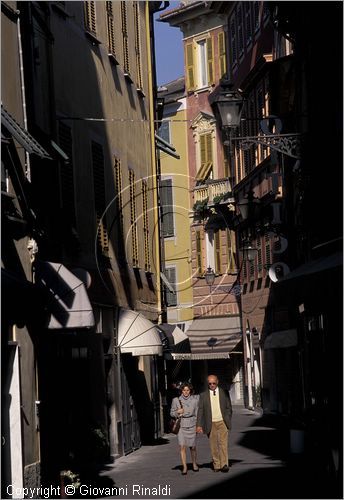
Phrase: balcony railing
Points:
(212, 189)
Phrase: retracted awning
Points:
(22, 135)
(68, 302)
(166, 147)
(137, 334)
(281, 339)
(178, 341)
(212, 338)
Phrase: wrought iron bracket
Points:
(288, 144)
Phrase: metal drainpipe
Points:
(22, 88)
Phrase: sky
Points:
(168, 50)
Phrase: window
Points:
(240, 26)
(138, 46)
(171, 298)
(99, 195)
(206, 157)
(256, 19)
(132, 192)
(203, 73)
(66, 173)
(222, 54)
(126, 66)
(110, 29)
(233, 41)
(145, 225)
(205, 62)
(165, 131)
(248, 22)
(199, 253)
(167, 211)
(90, 17)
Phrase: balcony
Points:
(214, 191)
(214, 203)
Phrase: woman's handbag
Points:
(175, 422)
(175, 425)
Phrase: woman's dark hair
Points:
(186, 384)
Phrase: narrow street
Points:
(261, 467)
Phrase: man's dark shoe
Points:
(225, 468)
(216, 470)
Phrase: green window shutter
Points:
(167, 215)
(210, 60)
(222, 54)
(190, 71)
(199, 253)
(217, 248)
(231, 246)
(171, 298)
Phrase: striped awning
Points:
(212, 338)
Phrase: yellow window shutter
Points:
(210, 60)
(222, 54)
(209, 148)
(190, 79)
(203, 149)
(218, 262)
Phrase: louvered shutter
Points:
(171, 298)
(222, 54)
(217, 244)
(132, 192)
(110, 29)
(90, 17)
(209, 148)
(190, 78)
(167, 208)
(99, 194)
(203, 150)
(199, 253)
(210, 61)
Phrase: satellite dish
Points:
(278, 271)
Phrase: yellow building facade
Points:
(176, 215)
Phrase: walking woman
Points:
(186, 407)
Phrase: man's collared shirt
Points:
(216, 415)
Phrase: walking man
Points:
(214, 419)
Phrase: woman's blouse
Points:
(190, 406)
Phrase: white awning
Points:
(137, 335)
(212, 338)
(68, 302)
(281, 339)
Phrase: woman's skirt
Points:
(187, 436)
